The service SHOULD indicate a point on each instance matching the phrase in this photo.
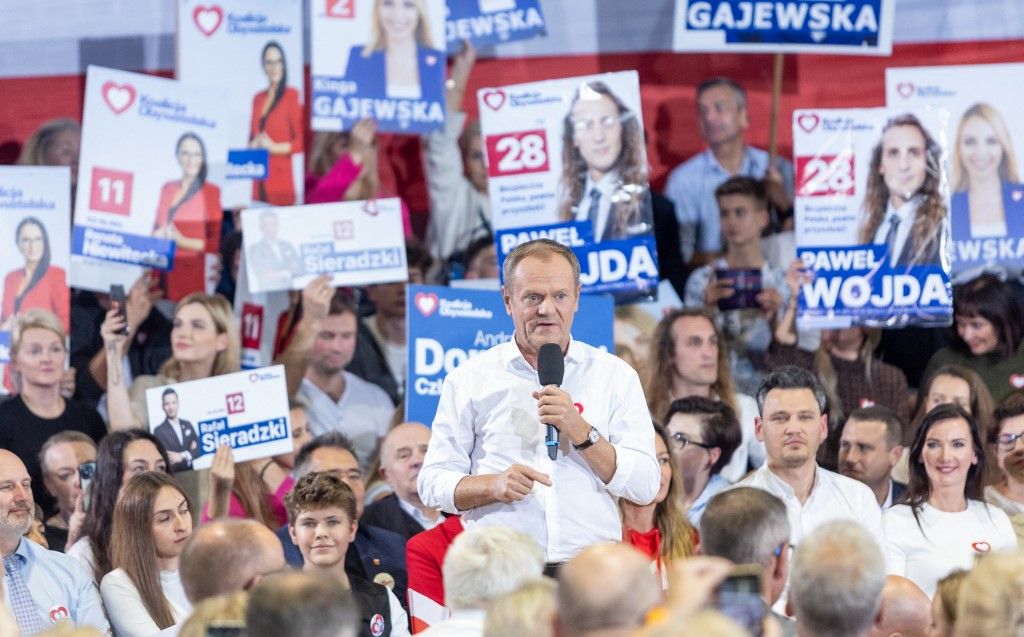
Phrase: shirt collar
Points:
(778, 483)
(606, 184)
(746, 168)
(511, 355)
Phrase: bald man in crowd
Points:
(228, 555)
(401, 456)
(606, 590)
(301, 604)
(906, 610)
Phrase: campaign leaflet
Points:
(260, 316)
(150, 173)
(872, 217)
(358, 242)
(357, 72)
(254, 50)
(246, 410)
(848, 27)
(35, 213)
(566, 161)
(449, 325)
(986, 139)
(488, 22)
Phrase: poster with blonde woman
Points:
(379, 59)
(254, 49)
(986, 135)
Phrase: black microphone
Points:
(550, 370)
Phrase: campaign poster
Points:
(35, 214)
(448, 325)
(247, 411)
(872, 217)
(357, 242)
(488, 22)
(254, 50)
(847, 27)
(153, 159)
(567, 162)
(986, 140)
(260, 316)
(381, 60)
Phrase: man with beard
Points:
(41, 587)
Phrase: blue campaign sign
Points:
(777, 26)
(487, 22)
(248, 163)
(625, 268)
(448, 325)
(855, 285)
(149, 252)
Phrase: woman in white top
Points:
(942, 522)
(152, 521)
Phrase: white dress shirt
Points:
(905, 214)
(362, 413)
(487, 421)
(607, 186)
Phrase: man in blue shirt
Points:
(41, 587)
(722, 115)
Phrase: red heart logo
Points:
(494, 99)
(425, 302)
(58, 614)
(118, 96)
(905, 89)
(807, 121)
(1017, 380)
(981, 547)
(207, 19)
(370, 207)
(579, 407)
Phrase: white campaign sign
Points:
(358, 242)
(258, 315)
(245, 47)
(246, 410)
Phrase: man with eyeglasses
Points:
(604, 166)
(793, 423)
(750, 526)
(704, 435)
(1008, 436)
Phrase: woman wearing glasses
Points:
(1008, 442)
(942, 523)
(703, 434)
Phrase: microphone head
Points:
(550, 364)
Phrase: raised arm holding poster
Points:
(254, 49)
(566, 161)
(380, 60)
(487, 22)
(246, 410)
(986, 137)
(359, 242)
(147, 197)
(872, 222)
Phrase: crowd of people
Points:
(871, 497)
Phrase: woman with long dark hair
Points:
(143, 595)
(942, 522)
(276, 124)
(121, 456)
(39, 283)
(189, 213)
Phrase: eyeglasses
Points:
(683, 440)
(1008, 442)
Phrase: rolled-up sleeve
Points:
(448, 455)
(637, 476)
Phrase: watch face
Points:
(594, 436)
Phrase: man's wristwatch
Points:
(592, 437)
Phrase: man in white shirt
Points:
(487, 458)
(401, 457)
(337, 400)
(793, 424)
(869, 448)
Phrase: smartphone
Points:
(86, 473)
(225, 629)
(746, 285)
(739, 598)
(118, 296)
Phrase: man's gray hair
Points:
(837, 580)
(744, 525)
(487, 561)
(738, 92)
(791, 377)
(544, 249)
